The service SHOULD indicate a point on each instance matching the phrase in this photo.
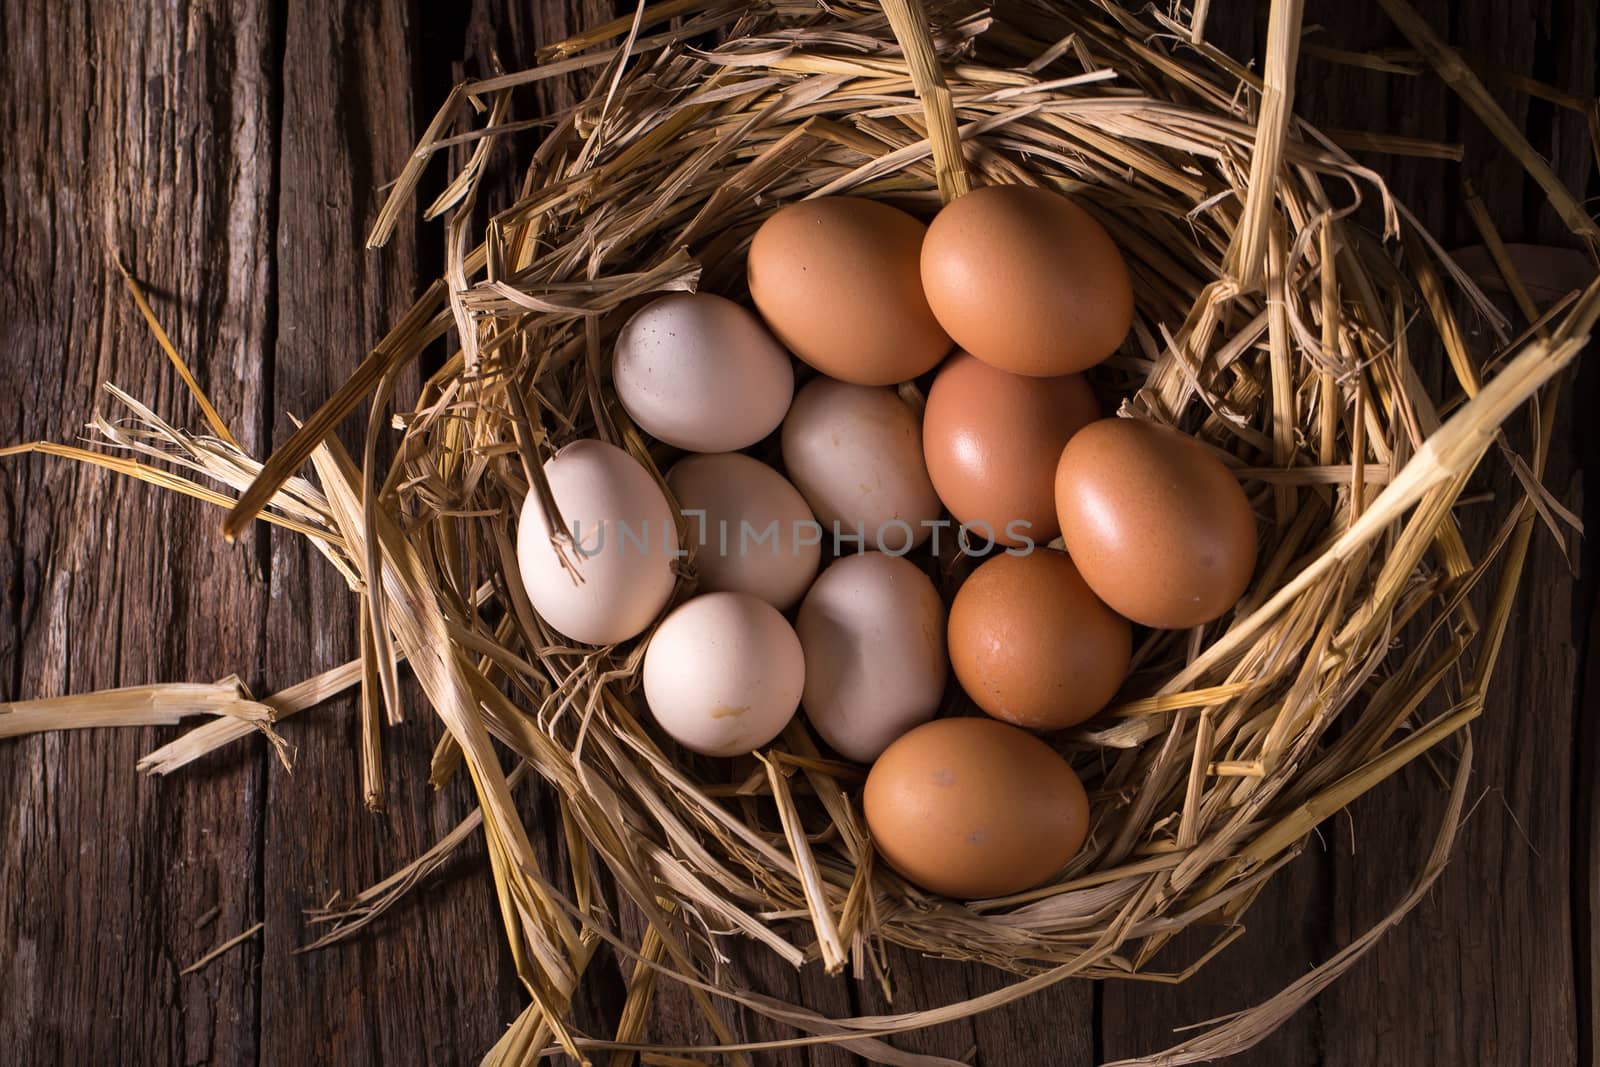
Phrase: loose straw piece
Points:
(237, 939)
(1247, 255)
(1458, 75)
(821, 908)
(291, 700)
(138, 705)
(1454, 449)
(218, 427)
(910, 23)
(162, 479)
(423, 324)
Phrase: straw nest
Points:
(1275, 283)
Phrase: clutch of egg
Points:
(1154, 528)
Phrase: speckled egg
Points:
(1032, 645)
(1156, 523)
(1026, 280)
(838, 280)
(974, 808)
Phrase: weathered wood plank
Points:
(1483, 970)
(430, 981)
(1056, 1026)
(1586, 789)
(149, 129)
(1283, 939)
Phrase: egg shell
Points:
(701, 373)
(974, 808)
(1157, 524)
(838, 281)
(855, 454)
(625, 543)
(873, 631)
(1026, 280)
(1032, 645)
(991, 440)
(723, 674)
(730, 502)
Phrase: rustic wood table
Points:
(235, 150)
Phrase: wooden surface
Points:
(235, 150)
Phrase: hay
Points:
(1272, 324)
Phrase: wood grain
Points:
(236, 151)
(1492, 949)
(433, 980)
(1482, 972)
(147, 128)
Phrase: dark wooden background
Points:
(235, 150)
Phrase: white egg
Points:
(750, 528)
(873, 631)
(723, 674)
(625, 541)
(855, 454)
(701, 373)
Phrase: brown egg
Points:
(1026, 280)
(838, 282)
(973, 808)
(1032, 645)
(991, 440)
(1158, 526)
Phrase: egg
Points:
(625, 541)
(872, 627)
(855, 454)
(1026, 280)
(1158, 526)
(973, 808)
(701, 373)
(991, 440)
(1032, 645)
(723, 674)
(752, 530)
(838, 280)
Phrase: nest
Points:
(1278, 290)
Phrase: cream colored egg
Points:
(751, 530)
(701, 373)
(855, 454)
(625, 541)
(723, 674)
(873, 630)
